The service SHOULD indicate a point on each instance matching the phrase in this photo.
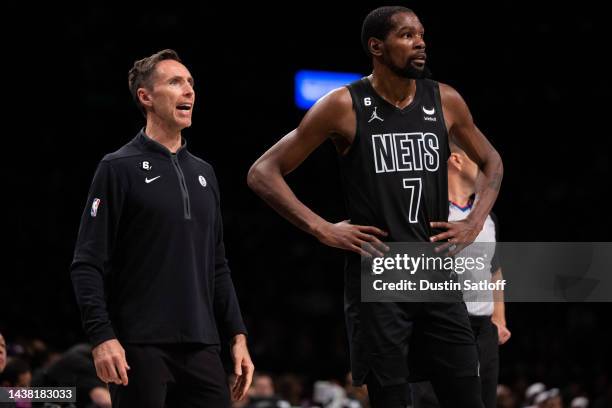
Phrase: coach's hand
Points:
(243, 367)
(459, 234)
(503, 334)
(109, 359)
(357, 238)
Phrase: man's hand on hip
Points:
(362, 239)
(459, 234)
(243, 367)
(109, 359)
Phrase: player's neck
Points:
(459, 191)
(167, 136)
(397, 90)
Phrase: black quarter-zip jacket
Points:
(149, 264)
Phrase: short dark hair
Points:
(141, 73)
(378, 24)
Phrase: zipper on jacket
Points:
(183, 184)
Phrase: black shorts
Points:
(400, 342)
(423, 395)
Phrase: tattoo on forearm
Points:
(495, 182)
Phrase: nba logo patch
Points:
(94, 207)
(202, 181)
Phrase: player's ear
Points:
(375, 46)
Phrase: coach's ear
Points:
(375, 46)
(144, 97)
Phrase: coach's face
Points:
(404, 47)
(170, 96)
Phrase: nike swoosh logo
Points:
(148, 180)
(429, 111)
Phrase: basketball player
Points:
(391, 130)
(486, 312)
(149, 268)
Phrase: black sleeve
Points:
(227, 309)
(495, 262)
(93, 251)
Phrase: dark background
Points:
(534, 78)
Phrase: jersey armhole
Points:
(355, 103)
(438, 103)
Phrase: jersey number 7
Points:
(415, 186)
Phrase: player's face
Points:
(2, 353)
(172, 96)
(405, 47)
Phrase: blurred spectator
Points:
(505, 397)
(290, 388)
(75, 368)
(554, 399)
(38, 354)
(3, 394)
(33, 362)
(330, 395)
(580, 402)
(2, 353)
(532, 392)
(263, 386)
(16, 373)
(549, 399)
(262, 394)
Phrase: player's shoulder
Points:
(454, 104)
(449, 94)
(332, 111)
(339, 98)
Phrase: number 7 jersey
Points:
(395, 173)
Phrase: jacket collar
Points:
(151, 145)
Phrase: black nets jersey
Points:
(395, 173)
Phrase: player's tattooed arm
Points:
(331, 117)
(495, 181)
(465, 134)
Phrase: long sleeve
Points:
(93, 251)
(227, 309)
